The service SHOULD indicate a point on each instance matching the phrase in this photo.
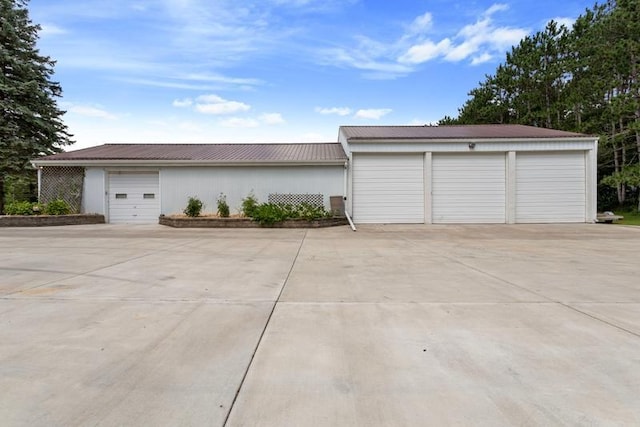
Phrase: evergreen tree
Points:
(584, 79)
(30, 121)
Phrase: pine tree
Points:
(584, 79)
(30, 121)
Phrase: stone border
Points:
(49, 220)
(214, 222)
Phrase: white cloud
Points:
(272, 119)
(478, 41)
(498, 7)
(425, 51)
(195, 81)
(219, 78)
(239, 122)
(421, 24)
(51, 30)
(461, 51)
(503, 38)
(88, 110)
(213, 104)
(375, 64)
(191, 39)
(181, 103)
(220, 33)
(481, 59)
(340, 111)
(372, 113)
(216, 105)
(168, 84)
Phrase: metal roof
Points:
(214, 153)
(453, 132)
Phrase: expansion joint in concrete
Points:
(266, 325)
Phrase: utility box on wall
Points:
(337, 205)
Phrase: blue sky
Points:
(273, 70)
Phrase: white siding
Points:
(134, 197)
(93, 192)
(388, 188)
(468, 188)
(550, 187)
(206, 183)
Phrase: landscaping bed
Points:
(243, 222)
(49, 220)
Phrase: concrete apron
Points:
(392, 325)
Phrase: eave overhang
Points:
(192, 163)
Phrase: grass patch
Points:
(630, 218)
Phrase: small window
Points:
(121, 195)
(149, 196)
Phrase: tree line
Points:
(580, 79)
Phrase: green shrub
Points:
(194, 207)
(270, 213)
(57, 207)
(223, 207)
(19, 208)
(249, 205)
(310, 212)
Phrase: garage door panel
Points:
(469, 188)
(134, 197)
(388, 188)
(550, 187)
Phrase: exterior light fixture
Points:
(472, 145)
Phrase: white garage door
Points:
(469, 188)
(134, 197)
(550, 187)
(388, 188)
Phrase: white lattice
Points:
(62, 182)
(295, 199)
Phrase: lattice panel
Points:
(62, 182)
(295, 199)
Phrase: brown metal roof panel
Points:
(453, 132)
(208, 152)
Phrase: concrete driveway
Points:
(392, 325)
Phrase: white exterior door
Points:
(134, 197)
(469, 188)
(388, 188)
(550, 187)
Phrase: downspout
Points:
(353, 227)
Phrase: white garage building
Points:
(135, 183)
(386, 174)
(469, 174)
